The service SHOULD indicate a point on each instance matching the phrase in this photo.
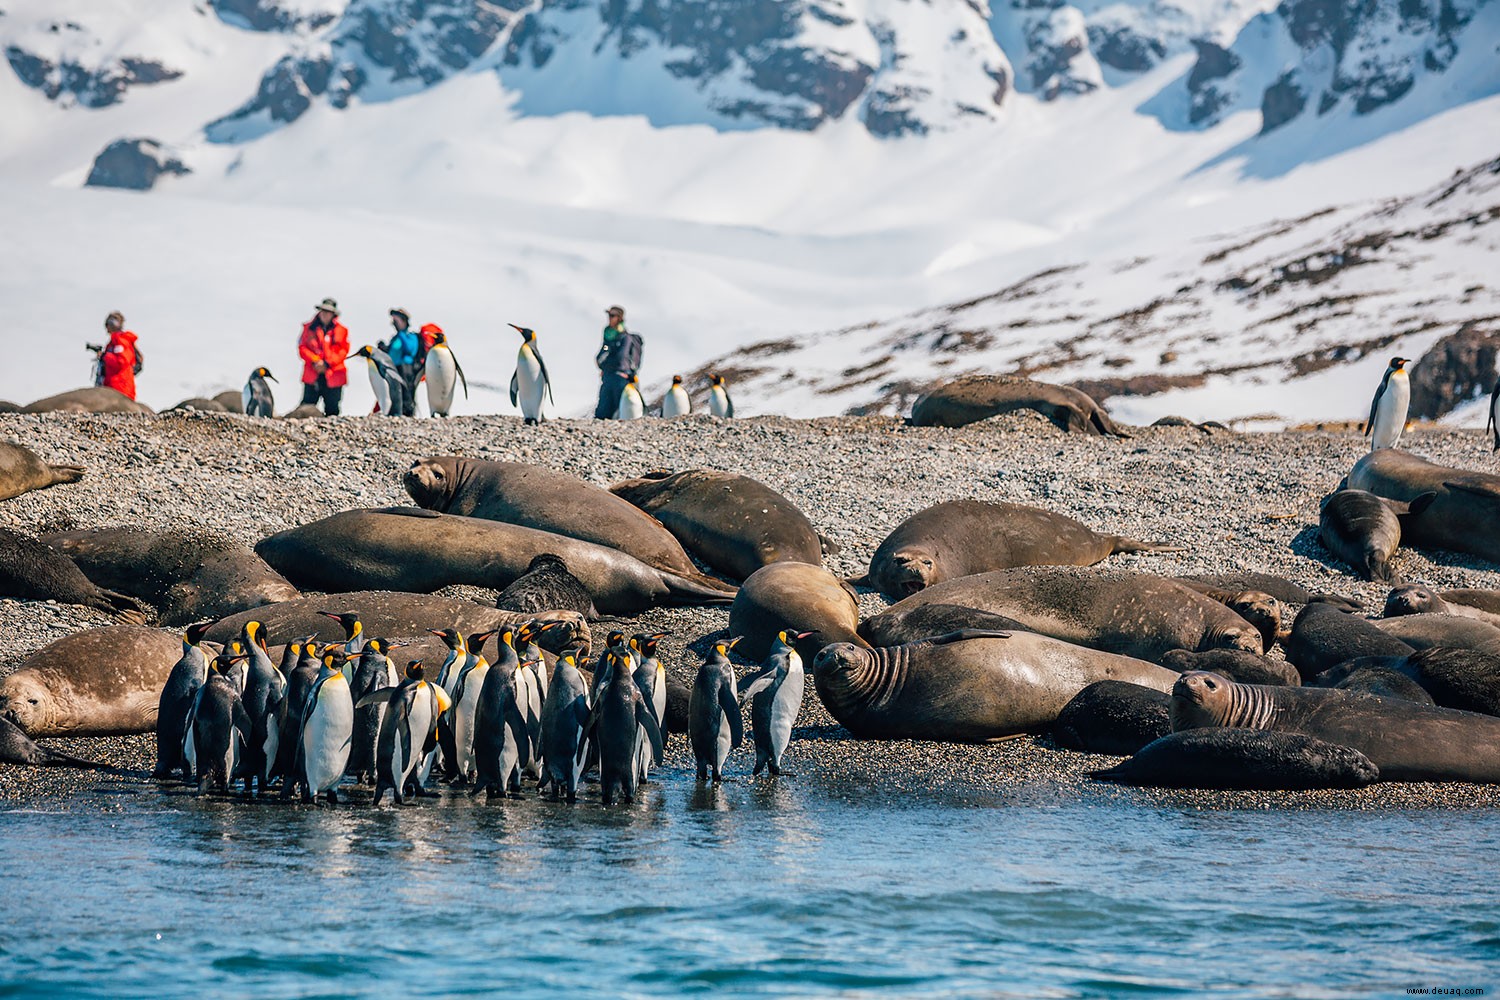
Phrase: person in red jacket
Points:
(117, 361)
(324, 346)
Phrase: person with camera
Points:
(119, 361)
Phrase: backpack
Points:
(631, 352)
(140, 362)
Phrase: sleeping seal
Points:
(94, 399)
(796, 596)
(1243, 759)
(22, 471)
(1364, 530)
(1464, 515)
(978, 397)
(100, 682)
(31, 571)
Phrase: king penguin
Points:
(564, 715)
(719, 403)
(220, 729)
(327, 729)
(354, 633)
(499, 728)
(530, 381)
(676, 402)
(177, 697)
(385, 380)
(300, 668)
(443, 376)
(775, 696)
(617, 720)
(407, 731)
(457, 733)
(375, 671)
(265, 687)
(651, 678)
(714, 724)
(1388, 408)
(632, 406)
(256, 397)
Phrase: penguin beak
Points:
(271, 377)
(659, 636)
(733, 642)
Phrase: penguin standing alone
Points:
(530, 381)
(443, 376)
(256, 397)
(775, 697)
(719, 403)
(632, 406)
(676, 402)
(714, 724)
(1388, 408)
(327, 730)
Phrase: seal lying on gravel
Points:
(966, 686)
(547, 584)
(1428, 630)
(1243, 759)
(1278, 587)
(1259, 609)
(978, 397)
(1464, 515)
(407, 548)
(1364, 530)
(1415, 599)
(1236, 664)
(31, 571)
(17, 748)
(21, 471)
(1132, 614)
(101, 682)
(732, 522)
(1458, 678)
(1407, 742)
(94, 399)
(1112, 717)
(963, 537)
(188, 575)
(1323, 637)
(1377, 675)
(796, 596)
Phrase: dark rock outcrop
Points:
(1214, 64)
(134, 164)
(1455, 370)
(1282, 102)
(268, 15)
(91, 87)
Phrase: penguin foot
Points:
(333, 797)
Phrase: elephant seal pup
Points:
(967, 686)
(797, 596)
(31, 571)
(963, 537)
(1112, 717)
(1259, 609)
(407, 548)
(188, 575)
(1278, 587)
(1464, 516)
(1415, 599)
(1133, 614)
(1323, 637)
(536, 497)
(94, 399)
(1243, 759)
(306, 411)
(1377, 675)
(100, 682)
(1408, 742)
(936, 619)
(1364, 530)
(1237, 665)
(732, 522)
(1429, 630)
(1458, 678)
(21, 471)
(547, 585)
(17, 748)
(978, 397)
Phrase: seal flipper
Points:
(18, 748)
(1124, 544)
(961, 635)
(65, 474)
(124, 607)
(828, 545)
(697, 590)
(731, 708)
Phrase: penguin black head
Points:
(1399, 363)
(224, 661)
(265, 373)
(527, 334)
(790, 636)
(450, 636)
(615, 638)
(676, 380)
(365, 352)
(383, 646)
(569, 656)
(254, 632)
(646, 644)
(478, 639)
(415, 670)
(507, 636)
(195, 632)
(723, 646)
(334, 657)
(716, 380)
(348, 619)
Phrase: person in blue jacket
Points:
(405, 349)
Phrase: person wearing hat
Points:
(619, 359)
(120, 359)
(405, 349)
(324, 346)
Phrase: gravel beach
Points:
(1236, 501)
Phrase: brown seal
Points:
(1112, 717)
(1428, 631)
(1243, 759)
(1416, 599)
(1278, 587)
(31, 571)
(1464, 516)
(964, 537)
(1323, 636)
(22, 471)
(101, 682)
(200, 403)
(94, 399)
(1364, 530)
(978, 397)
(796, 596)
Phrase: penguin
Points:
(354, 631)
(385, 380)
(375, 671)
(443, 375)
(565, 714)
(651, 678)
(457, 727)
(676, 402)
(408, 729)
(714, 724)
(1494, 421)
(499, 729)
(616, 722)
(177, 698)
(530, 381)
(220, 728)
(531, 683)
(327, 729)
(775, 696)
(300, 668)
(1388, 408)
(457, 658)
(255, 397)
(719, 403)
(632, 406)
(614, 641)
(263, 691)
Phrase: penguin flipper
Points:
(546, 379)
(756, 684)
(516, 722)
(647, 721)
(376, 697)
(1375, 403)
(515, 387)
(460, 369)
(731, 708)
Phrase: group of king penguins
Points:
(676, 402)
(1388, 409)
(337, 711)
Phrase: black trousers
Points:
(611, 384)
(331, 395)
(409, 379)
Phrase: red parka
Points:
(328, 346)
(119, 362)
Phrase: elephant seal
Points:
(1259, 609)
(1112, 717)
(1364, 530)
(306, 411)
(732, 522)
(188, 575)
(963, 537)
(233, 400)
(1133, 614)
(1323, 637)
(967, 686)
(797, 596)
(1243, 759)
(6, 406)
(31, 571)
(1458, 678)
(1463, 516)
(1278, 587)
(407, 548)
(547, 585)
(1377, 675)
(536, 497)
(17, 748)
(94, 399)
(1415, 599)
(936, 619)
(978, 397)
(1428, 630)
(100, 682)
(1236, 664)
(200, 403)
(1408, 742)
(21, 471)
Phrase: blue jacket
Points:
(404, 347)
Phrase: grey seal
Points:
(1243, 759)
(22, 471)
(972, 398)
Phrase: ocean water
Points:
(752, 888)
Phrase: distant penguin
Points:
(385, 380)
(565, 714)
(676, 403)
(499, 729)
(1388, 408)
(375, 671)
(299, 666)
(458, 728)
(1494, 422)
(714, 724)
(177, 697)
(221, 729)
(530, 381)
(719, 403)
(651, 678)
(618, 718)
(264, 689)
(407, 730)
(775, 697)
(443, 376)
(256, 397)
(632, 406)
(327, 730)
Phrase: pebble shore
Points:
(1236, 501)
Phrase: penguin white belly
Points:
(528, 698)
(631, 406)
(380, 387)
(326, 736)
(463, 719)
(271, 746)
(245, 398)
(532, 390)
(784, 708)
(721, 748)
(718, 402)
(442, 378)
(1390, 413)
(419, 722)
(677, 403)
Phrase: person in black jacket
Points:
(618, 359)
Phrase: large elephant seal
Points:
(101, 682)
(188, 575)
(1323, 637)
(1261, 610)
(1464, 516)
(233, 400)
(1458, 678)
(1243, 759)
(31, 571)
(1364, 530)
(21, 471)
(1279, 587)
(536, 497)
(733, 523)
(963, 537)
(978, 397)
(1236, 664)
(407, 548)
(1408, 742)
(94, 399)
(1112, 717)
(966, 686)
(797, 596)
(1452, 631)
(1416, 599)
(1133, 614)
(1377, 675)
